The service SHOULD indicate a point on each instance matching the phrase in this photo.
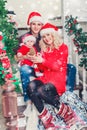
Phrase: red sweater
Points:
(24, 50)
(54, 68)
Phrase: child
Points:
(26, 48)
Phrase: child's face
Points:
(30, 43)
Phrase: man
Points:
(35, 23)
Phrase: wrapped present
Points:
(9, 103)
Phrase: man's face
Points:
(36, 27)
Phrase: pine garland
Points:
(74, 29)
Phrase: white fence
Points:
(81, 74)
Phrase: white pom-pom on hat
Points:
(1, 36)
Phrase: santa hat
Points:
(34, 16)
(48, 28)
(28, 37)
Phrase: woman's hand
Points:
(36, 58)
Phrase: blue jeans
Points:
(26, 72)
(71, 77)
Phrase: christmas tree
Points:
(8, 30)
(9, 34)
(74, 29)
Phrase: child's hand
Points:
(19, 55)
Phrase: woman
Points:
(53, 63)
(54, 58)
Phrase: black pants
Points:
(39, 93)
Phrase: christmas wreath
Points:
(74, 29)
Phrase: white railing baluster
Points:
(84, 92)
(77, 70)
(70, 50)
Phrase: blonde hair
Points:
(57, 42)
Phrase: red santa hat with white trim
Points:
(28, 37)
(48, 28)
(34, 16)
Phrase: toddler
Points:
(26, 48)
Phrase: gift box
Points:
(9, 104)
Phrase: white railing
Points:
(84, 93)
(81, 73)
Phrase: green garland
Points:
(73, 27)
